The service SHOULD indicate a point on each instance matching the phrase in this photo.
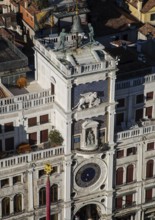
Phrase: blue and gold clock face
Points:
(88, 175)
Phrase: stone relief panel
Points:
(89, 94)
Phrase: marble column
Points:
(30, 190)
(67, 188)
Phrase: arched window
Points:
(42, 196)
(129, 173)
(54, 193)
(119, 176)
(149, 169)
(6, 206)
(17, 203)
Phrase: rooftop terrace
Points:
(87, 57)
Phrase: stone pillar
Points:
(36, 65)
(109, 183)
(67, 188)
(111, 107)
(30, 190)
(111, 87)
(110, 125)
(11, 205)
(139, 215)
(67, 148)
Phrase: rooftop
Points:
(132, 63)
(147, 29)
(107, 19)
(146, 6)
(72, 60)
(11, 57)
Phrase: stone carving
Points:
(90, 140)
(87, 100)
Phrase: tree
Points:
(55, 138)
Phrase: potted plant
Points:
(55, 138)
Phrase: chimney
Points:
(26, 4)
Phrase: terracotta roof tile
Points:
(146, 7)
(146, 29)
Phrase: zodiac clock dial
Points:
(87, 175)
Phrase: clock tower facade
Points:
(93, 109)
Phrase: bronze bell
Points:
(76, 27)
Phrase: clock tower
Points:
(81, 75)
(93, 109)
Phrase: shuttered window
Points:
(150, 146)
(149, 96)
(131, 151)
(32, 122)
(129, 199)
(43, 119)
(118, 202)
(149, 169)
(148, 195)
(9, 144)
(129, 173)
(119, 176)
(149, 112)
(8, 127)
(33, 138)
(44, 136)
(120, 153)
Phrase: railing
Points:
(79, 69)
(135, 82)
(135, 132)
(26, 101)
(31, 157)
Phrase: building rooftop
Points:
(10, 57)
(107, 19)
(6, 54)
(146, 6)
(147, 29)
(87, 57)
(132, 63)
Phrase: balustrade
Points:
(135, 132)
(25, 101)
(31, 157)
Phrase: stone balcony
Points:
(21, 159)
(146, 127)
(25, 101)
